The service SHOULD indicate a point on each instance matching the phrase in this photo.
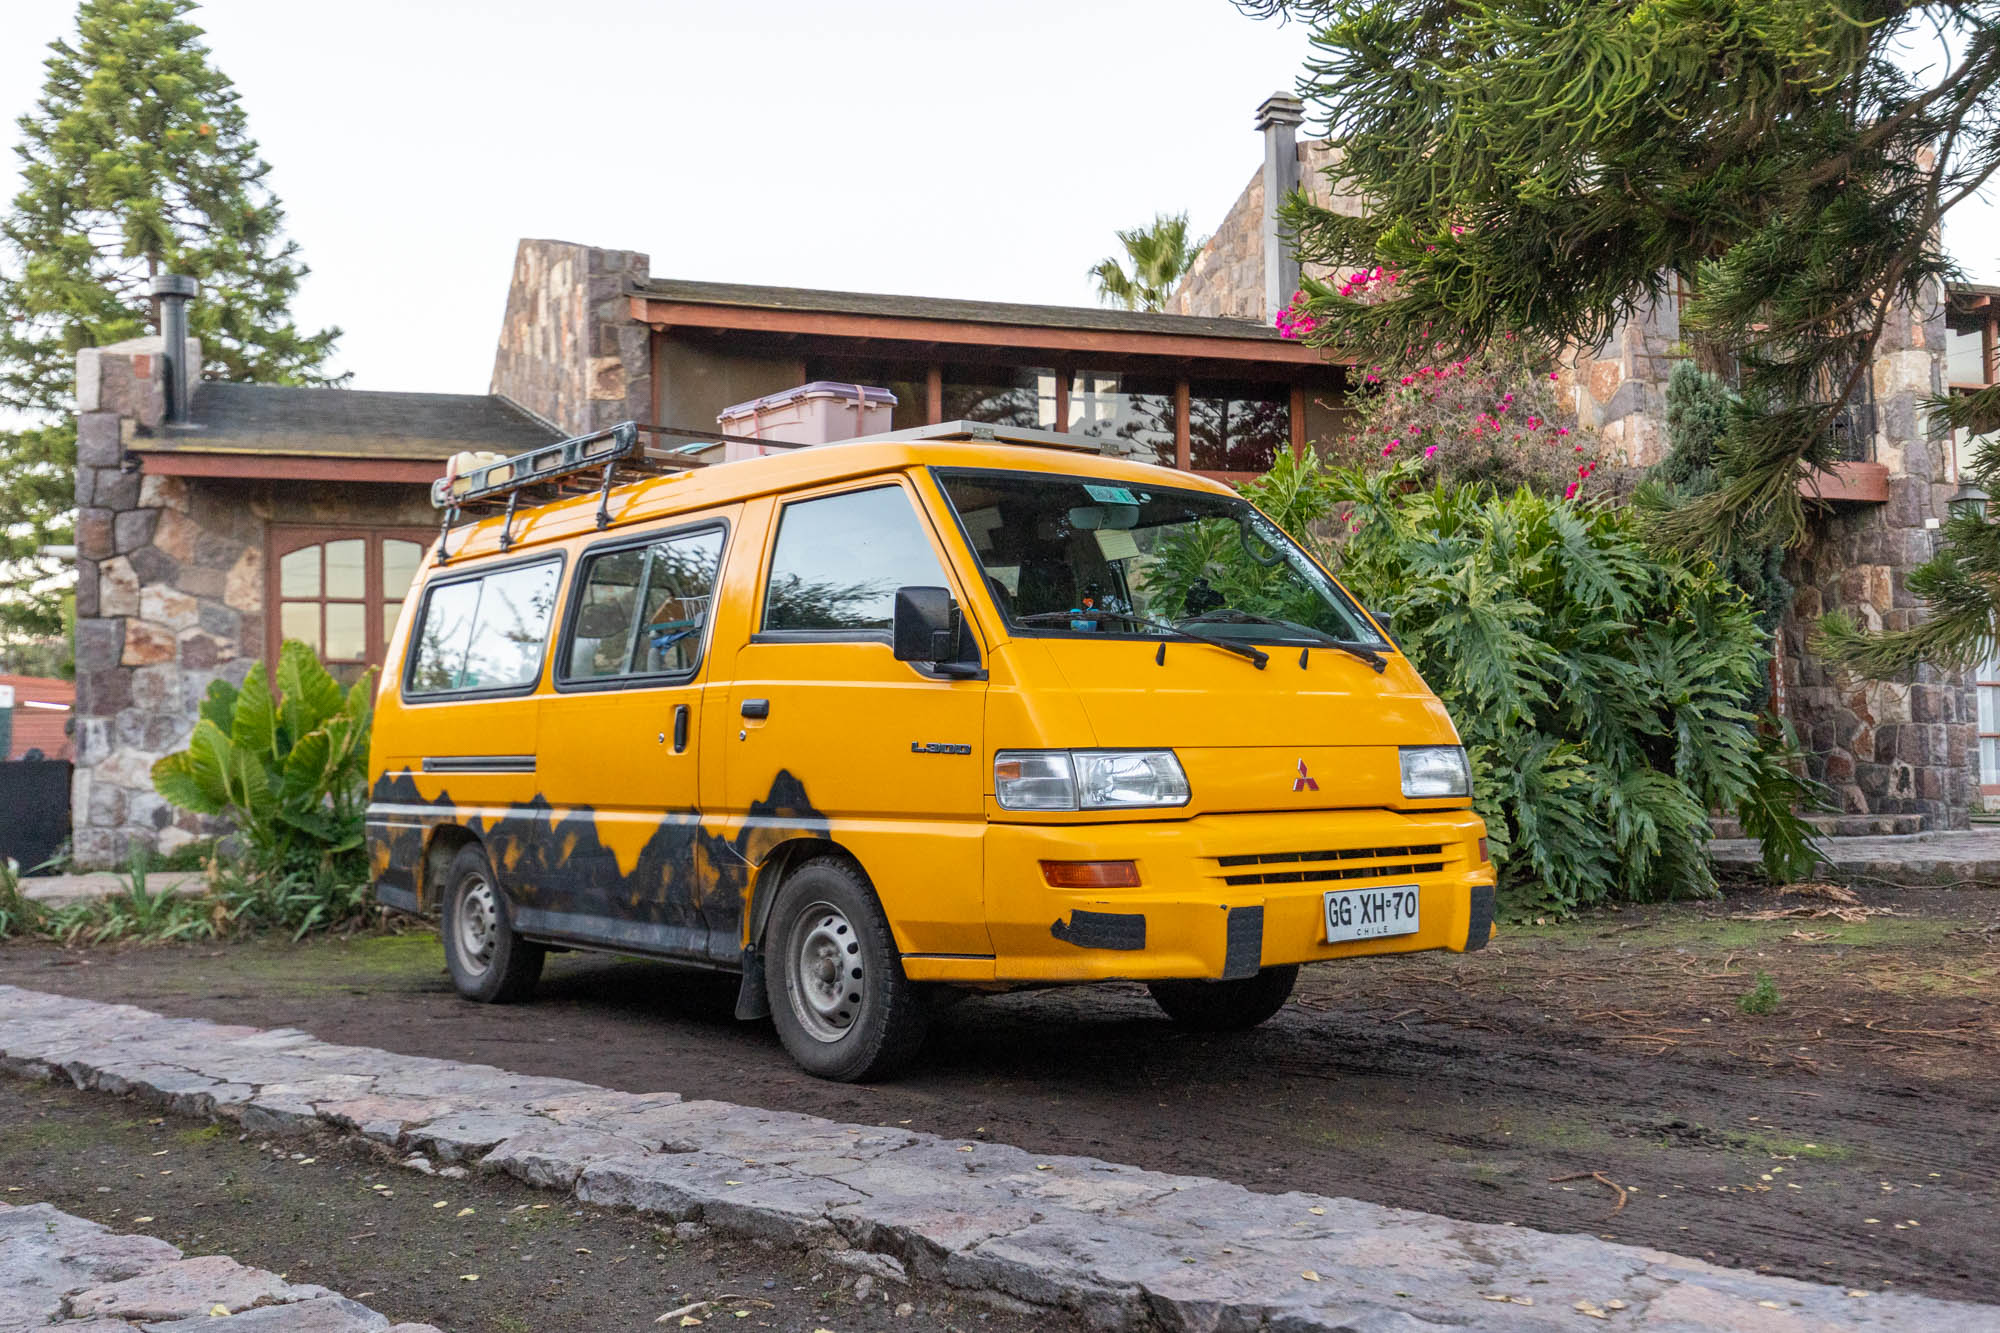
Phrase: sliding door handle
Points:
(756, 708)
(680, 728)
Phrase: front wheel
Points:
(488, 962)
(1226, 1006)
(839, 999)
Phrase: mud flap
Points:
(751, 999)
(1243, 946)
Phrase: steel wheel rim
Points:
(477, 923)
(826, 975)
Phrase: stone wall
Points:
(1620, 389)
(169, 596)
(1226, 279)
(1885, 747)
(569, 350)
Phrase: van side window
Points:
(484, 633)
(641, 611)
(840, 558)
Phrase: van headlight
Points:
(1087, 779)
(1431, 771)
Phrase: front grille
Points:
(1310, 873)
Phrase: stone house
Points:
(215, 520)
(1897, 755)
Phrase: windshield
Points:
(1210, 563)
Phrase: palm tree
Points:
(1160, 255)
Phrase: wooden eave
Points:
(664, 315)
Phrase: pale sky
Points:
(929, 147)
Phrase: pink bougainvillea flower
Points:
(1428, 452)
(1562, 430)
(1570, 493)
(1555, 374)
(1388, 449)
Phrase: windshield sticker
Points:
(1110, 495)
(1117, 544)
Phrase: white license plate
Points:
(1366, 914)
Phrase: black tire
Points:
(826, 928)
(1226, 1006)
(487, 960)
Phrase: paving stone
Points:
(1122, 1247)
(188, 1289)
(325, 1314)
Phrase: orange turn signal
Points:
(1091, 874)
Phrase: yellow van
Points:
(959, 707)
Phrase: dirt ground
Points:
(1596, 1076)
(482, 1255)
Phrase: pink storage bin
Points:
(818, 413)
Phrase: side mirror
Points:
(925, 628)
(1388, 630)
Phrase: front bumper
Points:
(1222, 895)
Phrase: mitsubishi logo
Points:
(1304, 781)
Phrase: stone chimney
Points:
(1278, 118)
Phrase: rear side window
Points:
(641, 611)
(839, 560)
(484, 633)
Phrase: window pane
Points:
(1965, 356)
(390, 611)
(1235, 427)
(1131, 409)
(1989, 761)
(441, 638)
(298, 573)
(839, 561)
(1001, 395)
(510, 628)
(300, 620)
(346, 568)
(601, 640)
(399, 565)
(678, 585)
(346, 632)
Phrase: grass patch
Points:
(1774, 1145)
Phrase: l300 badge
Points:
(938, 747)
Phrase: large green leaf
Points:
(218, 705)
(255, 722)
(193, 779)
(307, 692)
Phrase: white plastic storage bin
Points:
(817, 413)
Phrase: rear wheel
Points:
(1226, 1006)
(839, 999)
(487, 960)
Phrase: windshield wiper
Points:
(1360, 650)
(1256, 655)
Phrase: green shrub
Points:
(19, 914)
(1761, 998)
(290, 772)
(1597, 684)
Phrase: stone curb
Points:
(59, 1271)
(1124, 1248)
(1952, 859)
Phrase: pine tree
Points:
(135, 161)
(1548, 166)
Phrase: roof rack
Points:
(598, 461)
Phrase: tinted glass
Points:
(485, 634)
(1133, 410)
(1053, 545)
(1234, 427)
(840, 559)
(643, 610)
(1001, 395)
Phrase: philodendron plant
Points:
(288, 769)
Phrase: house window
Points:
(340, 590)
(1989, 724)
(1237, 427)
(1137, 411)
(1022, 396)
